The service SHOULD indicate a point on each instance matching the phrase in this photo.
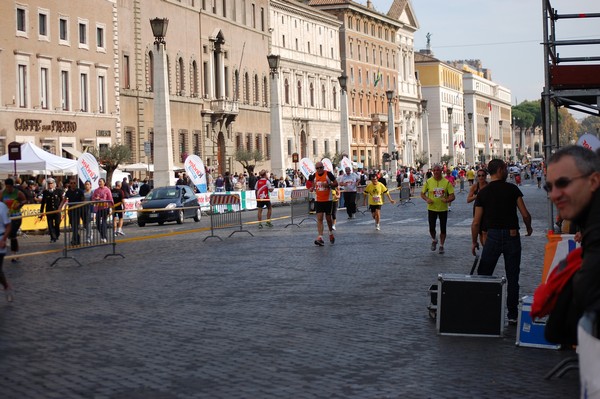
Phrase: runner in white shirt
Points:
(348, 183)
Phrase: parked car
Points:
(176, 203)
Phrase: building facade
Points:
(307, 43)
(58, 88)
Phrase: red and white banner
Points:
(88, 169)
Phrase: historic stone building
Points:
(57, 62)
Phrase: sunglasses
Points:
(320, 167)
(563, 182)
(480, 175)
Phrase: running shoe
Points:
(260, 226)
(319, 241)
(333, 227)
(269, 224)
(9, 295)
(377, 227)
(433, 245)
(331, 238)
(441, 250)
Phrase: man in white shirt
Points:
(348, 183)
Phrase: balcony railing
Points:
(224, 106)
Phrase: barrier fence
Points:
(86, 225)
(360, 198)
(405, 194)
(300, 206)
(225, 220)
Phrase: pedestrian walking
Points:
(5, 226)
(104, 202)
(348, 182)
(438, 193)
(74, 197)
(51, 200)
(374, 191)
(14, 199)
(321, 183)
(496, 209)
(538, 175)
(118, 195)
(263, 187)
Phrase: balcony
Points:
(224, 107)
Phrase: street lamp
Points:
(486, 119)
(471, 145)
(163, 152)
(344, 130)
(277, 157)
(391, 134)
(450, 135)
(425, 127)
(500, 136)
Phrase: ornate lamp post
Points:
(450, 136)
(391, 133)
(277, 157)
(163, 148)
(344, 130)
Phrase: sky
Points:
(504, 34)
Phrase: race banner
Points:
(346, 163)
(88, 169)
(589, 141)
(307, 167)
(194, 167)
(328, 165)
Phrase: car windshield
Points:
(163, 193)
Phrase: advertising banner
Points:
(88, 169)
(194, 167)
(307, 167)
(328, 165)
(346, 163)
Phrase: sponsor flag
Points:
(377, 77)
(490, 105)
(328, 165)
(88, 169)
(194, 168)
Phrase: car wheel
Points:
(180, 217)
(141, 224)
(198, 215)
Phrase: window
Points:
(236, 85)
(244, 11)
(100, 37)
(323, 97)
(63, 30)
(224, 5)
(21, 21)
(265, 88)
(43, 24)
(150, 69)
(262, 19)
(23, 87)
(83, 93)
(246, 88)
(196, 142)
(64, 90)
(181, 77)
(194, 77)
(312, 95)
(334, 98)
(314, 145)
(102, 94)
(299, 93)
(268, 146)
(44, 88)
(256, 90)
(287, 91)
(289, 147)
(253, 15)
(126, 81)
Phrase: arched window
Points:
(312, 95)
(236, 85)
(334, 98)
(287, 91)
(265, 92)
(299, 93)
(181, 80)
(246, 88)
(194, 82)
(150, 77)
(323, 97)
(256, 90)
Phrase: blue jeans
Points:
(499, 241)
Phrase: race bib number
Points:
(438, 192)
(376, 198)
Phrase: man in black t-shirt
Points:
(496, 207)
(74, 197)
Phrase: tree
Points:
(527, 117)
(421, 159)
(446, 158)
(590, 124)
(568, 127)
(248, 159)
(111, 157)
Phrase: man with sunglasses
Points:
(322, 183)
(572, 183)
(496, 209)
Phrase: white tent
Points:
(35, 160)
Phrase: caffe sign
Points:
(35, 125)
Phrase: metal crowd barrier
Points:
(360, 197)
(300, 206)
(81, 228)
(405, 194)
(224, 220)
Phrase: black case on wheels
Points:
(470, 305)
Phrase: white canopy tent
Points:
(145, 167)
(35, 160)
